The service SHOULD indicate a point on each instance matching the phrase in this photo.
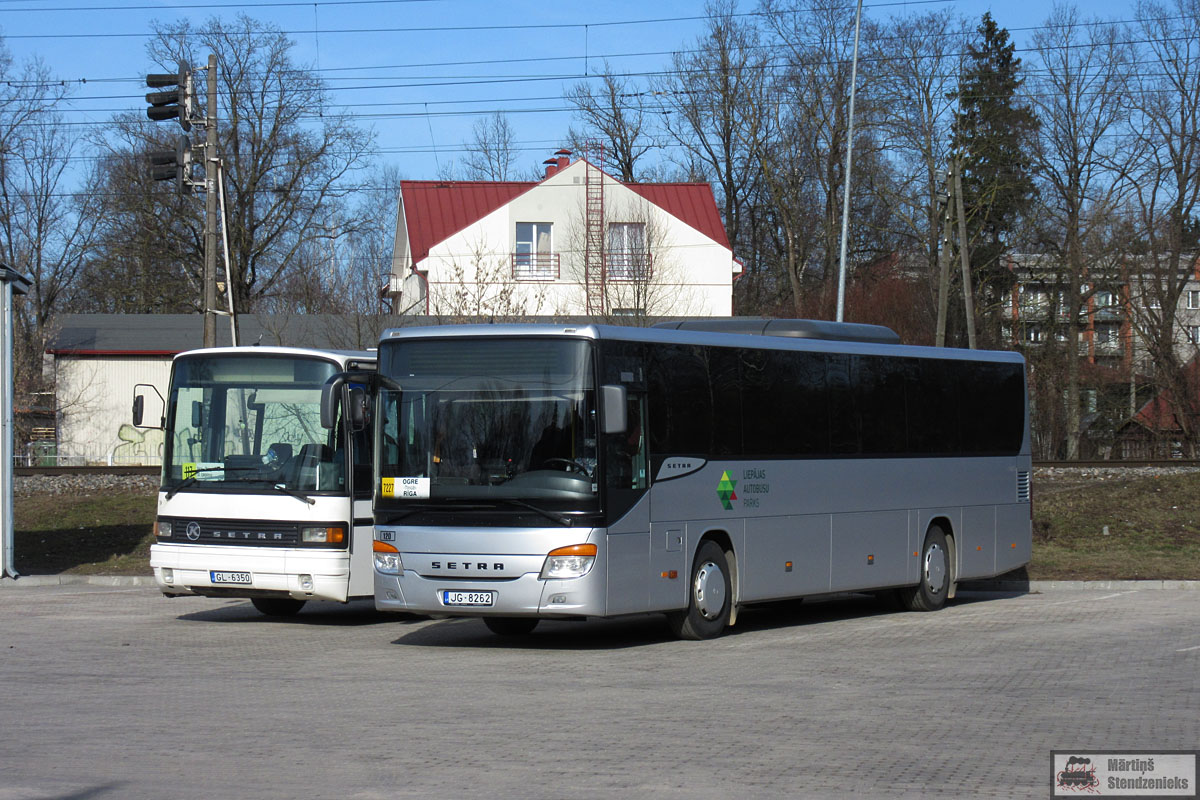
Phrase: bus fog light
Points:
(168, 575)
(558, 599)
(574, 561)
(306, 582)
(387, 558)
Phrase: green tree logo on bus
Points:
(725, 491)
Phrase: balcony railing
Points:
(535, 266)
(632, 267)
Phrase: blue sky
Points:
(418, 49)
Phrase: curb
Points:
(1059, 586)
(77, 580)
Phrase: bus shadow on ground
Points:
(651, 629)
(355, 613)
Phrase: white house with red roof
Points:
(579, 242)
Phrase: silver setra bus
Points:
(528, 472)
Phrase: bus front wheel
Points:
(930, 594)
(710, 596)
(277, 606)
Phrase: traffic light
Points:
(178, 103)
(174, 164)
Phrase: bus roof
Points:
(342, 357)
(713, 336)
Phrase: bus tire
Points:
(277, 606)
(930, 594)
(510, 626)
(710, 596)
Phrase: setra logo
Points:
(725, 491)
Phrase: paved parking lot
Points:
(123, 693)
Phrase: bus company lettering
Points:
(754, 482)
(479, 566)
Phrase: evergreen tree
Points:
(993, 135)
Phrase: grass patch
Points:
(102, 534)
(1153, 530)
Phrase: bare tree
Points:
(287, 155)
(817, 40)
(491, 152)
(707, 114)
(1080, 97)
(918, 65)
(617, 112)
(1165, 183)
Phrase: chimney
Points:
(564, 158)
(551, 166)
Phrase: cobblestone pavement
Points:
(119, 692)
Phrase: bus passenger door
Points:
(626, 481)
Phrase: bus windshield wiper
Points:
(554, 516)
(279, 487)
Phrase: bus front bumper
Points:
(303, 574)
(523, 596)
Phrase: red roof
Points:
(1159, 414)
(435, 210)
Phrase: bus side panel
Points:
(773, 542)
(977, 542)
(869, 550)
(362, 567)
(628, 557)
(1014, 537)
(667, 555)
(628, 560)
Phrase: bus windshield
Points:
(249, 423)
(504, 419)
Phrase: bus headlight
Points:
(387, 558)
(323, 535)
(573, 561)
(162, 529)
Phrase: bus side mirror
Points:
(357, 414)
(140, 392)
(197, 414)
(330, 393)
(612, 401)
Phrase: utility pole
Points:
(210, 207)
(943, 207)
(964, 254)
(950, 205)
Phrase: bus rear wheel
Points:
(930, 594)
(710, 596)
(278, 606)
(510, 626)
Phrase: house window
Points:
(627, 256)
(1193, 334)
(1108, 337)
(1193, 299)
(1105, 300)
(533, 257)
(1035, 334)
